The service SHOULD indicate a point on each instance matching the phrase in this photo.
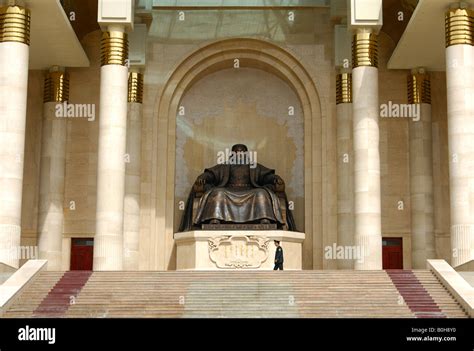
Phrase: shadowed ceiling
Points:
(85, 12)
(86, 16)
(392, 26)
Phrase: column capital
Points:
(344, 88)
(419, 87)
(135, 87)
(114, 48)
(15, 24)
(56, 85)
(365, 49)
(459, 26)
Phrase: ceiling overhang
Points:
(53, 40)
(423, 42)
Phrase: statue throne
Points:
(199, 191)
(238, 196)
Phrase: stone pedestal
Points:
(237, 250)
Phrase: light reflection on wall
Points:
(272, 24)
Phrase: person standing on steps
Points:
(278, 256)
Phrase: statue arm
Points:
(203, 181)
(279, 183)
(275, 181)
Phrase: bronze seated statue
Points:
(238, 196)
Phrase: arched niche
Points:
(209, 58)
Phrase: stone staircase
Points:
(287, 294)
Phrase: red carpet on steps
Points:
(58, 300)
(418, 300)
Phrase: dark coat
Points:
(279, 255)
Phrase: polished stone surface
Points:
(234, 250)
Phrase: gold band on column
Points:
(459, 27)
(135, 87)
(56, 87)
(344, 88)
(15, 24)
(365, 50)
(114, 48)
(419, 88)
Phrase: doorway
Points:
(392, 253)
(82, 251)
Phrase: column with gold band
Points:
(421, 169)
(131, 221)
(459, 25)
(108, 241)
(345, 182)
(53, 163)
(365, 109)
(14, 54)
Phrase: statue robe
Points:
(236, 204)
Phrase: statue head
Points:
(239, 148)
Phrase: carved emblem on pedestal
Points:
(238, 251)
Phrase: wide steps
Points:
(237, 294)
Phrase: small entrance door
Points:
(82, 250)
(392, 253)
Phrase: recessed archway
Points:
(209, 58)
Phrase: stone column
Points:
(345, 182)
(14, 54)
(108, 241)
(365, 109)
(421, 171)
(460, 92)
(53, 163)
(131, 221)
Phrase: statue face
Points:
(239, 148)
